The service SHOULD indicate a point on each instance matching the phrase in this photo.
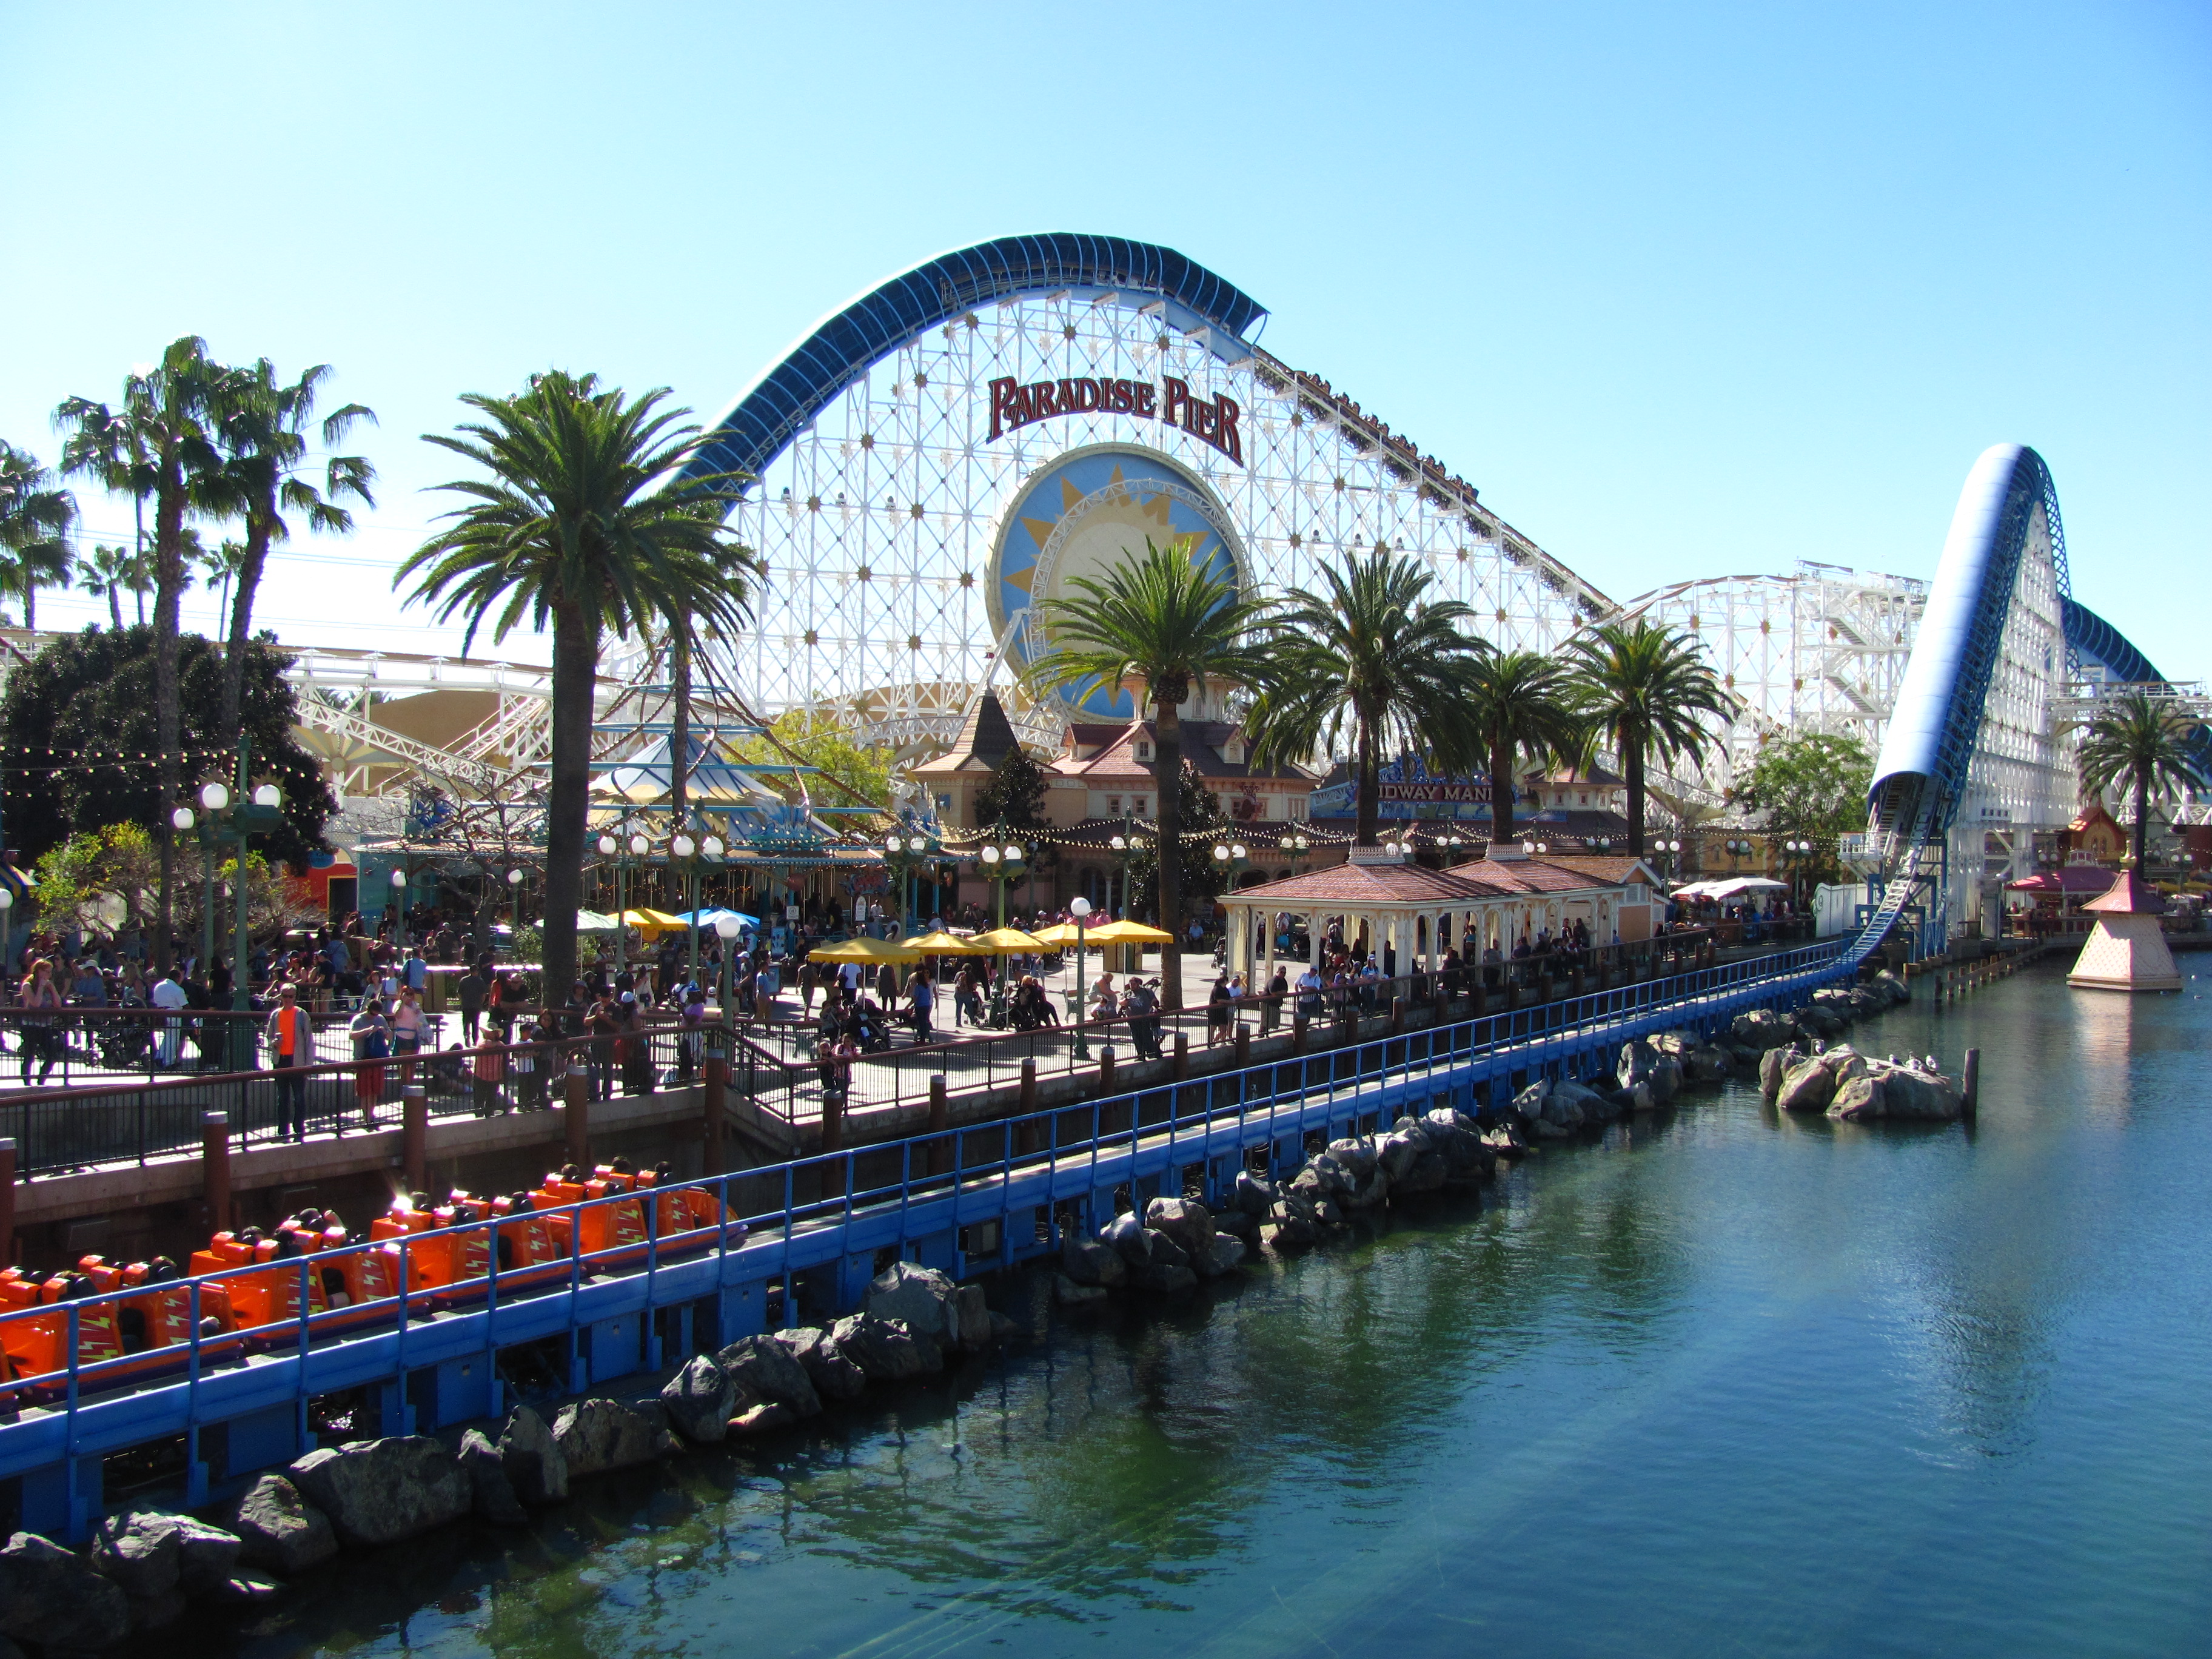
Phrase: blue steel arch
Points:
(748, 434)
(1921, 776)
(2092, 639)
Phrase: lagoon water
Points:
(1721, 1383)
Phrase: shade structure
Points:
(654, 922)
(707, 915)
(591, 922)
(1061, 934)
(1128, 932)
(1009, 942)
(1735, 885)
(863, 950)
(942, 944)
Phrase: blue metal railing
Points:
(768, 1231)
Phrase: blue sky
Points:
(1685, 290)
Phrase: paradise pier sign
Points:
(1212, 420)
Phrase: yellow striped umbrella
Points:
(864, 950)
(942, 944)
(1010, 942)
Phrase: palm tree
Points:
(263, 426)
(572, 526)
(109, 573)
(34, 521)
(1168, 625)
(1520, 703)
(2146, 745)
(155, 445)
(1641, 688)
(1370, 658)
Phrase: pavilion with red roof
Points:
(2126, 950)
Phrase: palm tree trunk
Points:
(114, 607)
(30, 602)
(1501, 792)
(1632, 763)
(1167, 770)
(679, 732)
(241, 622)
(168, 714)
(575, 671)
(2142, 821)
(1369, 813)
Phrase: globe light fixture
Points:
(712, 847)
(215, 797)
(1119, 843)
(989, 854)
(607, 848)
(398, 878)
(639, 846)
(894, 844)
(514, 878)
(1078, 908)
(1237, 851)
(682, 846)
(267, 795)
(727, 925)
(182, 817)
(7, 899)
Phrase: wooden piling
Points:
(576, 1114)
(1971, 1087)
(940, 1124)
(415, 1135)
(714, 1102)
(6, 1202)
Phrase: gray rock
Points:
(834, 1376)
(1189, 1224)
(595, 1435)
(57, 1599)
(379, 1491)
(1251, 1195)
(1913, 1095)
(1088, 1261)
(921, 1299)
(1762, 1029)
(1818, 1023)
(151, 1552)
(1161, 1251)
(1707, 1063)
(1398, 1154)
(1239, 1224)
(1636, 1059)
(1891, 984)
(277, 1527)
(764, 1367)
(764, 1418)
(1124, 1233)
(1004, 1328)
(1665, 1080)
(700, 1400)
(884, 1349)
(138, 1552)
(1857, 1100)
(1807, 1086)
(1771, 1067)
(1595, 1107)
(1224, 1252)
(974, 1319)
(1069, 1294)
(491, 1494)
(1358, 1157)
(1428, 1175)
(535, 1466)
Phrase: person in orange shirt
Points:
(291, 1040)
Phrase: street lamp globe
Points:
(606, 847)
(1119, 843)
(713, 846)
(639, 846)
(514, 878)
(1220, 853)
(398, 878)
(215, 797)
(7, 899)
(894, 844)
(1078, 908)
(267, 795)
(182, 817)
(989, 854)
(1529, 848)
(682, 846)
(727, 924)
(1237, 851)
(1014, 853)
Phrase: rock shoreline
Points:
(145, 1568)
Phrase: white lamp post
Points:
(1079, 908)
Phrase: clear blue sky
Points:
(1686, 290)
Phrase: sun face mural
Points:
(1091, 511)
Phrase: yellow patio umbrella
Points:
(942, 944)
(1128, 932)
(1009, 942)
(653, 923)
(863, 950)
(1060, 935)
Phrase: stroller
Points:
(874, 1033)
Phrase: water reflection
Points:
(1714, 1331)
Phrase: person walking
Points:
(922, 998)
(43, 1036)
(169, 996)
(472, 990)
(409, 1025)
(371, 1044)
(291, 1039)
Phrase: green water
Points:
(1721, 1383)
